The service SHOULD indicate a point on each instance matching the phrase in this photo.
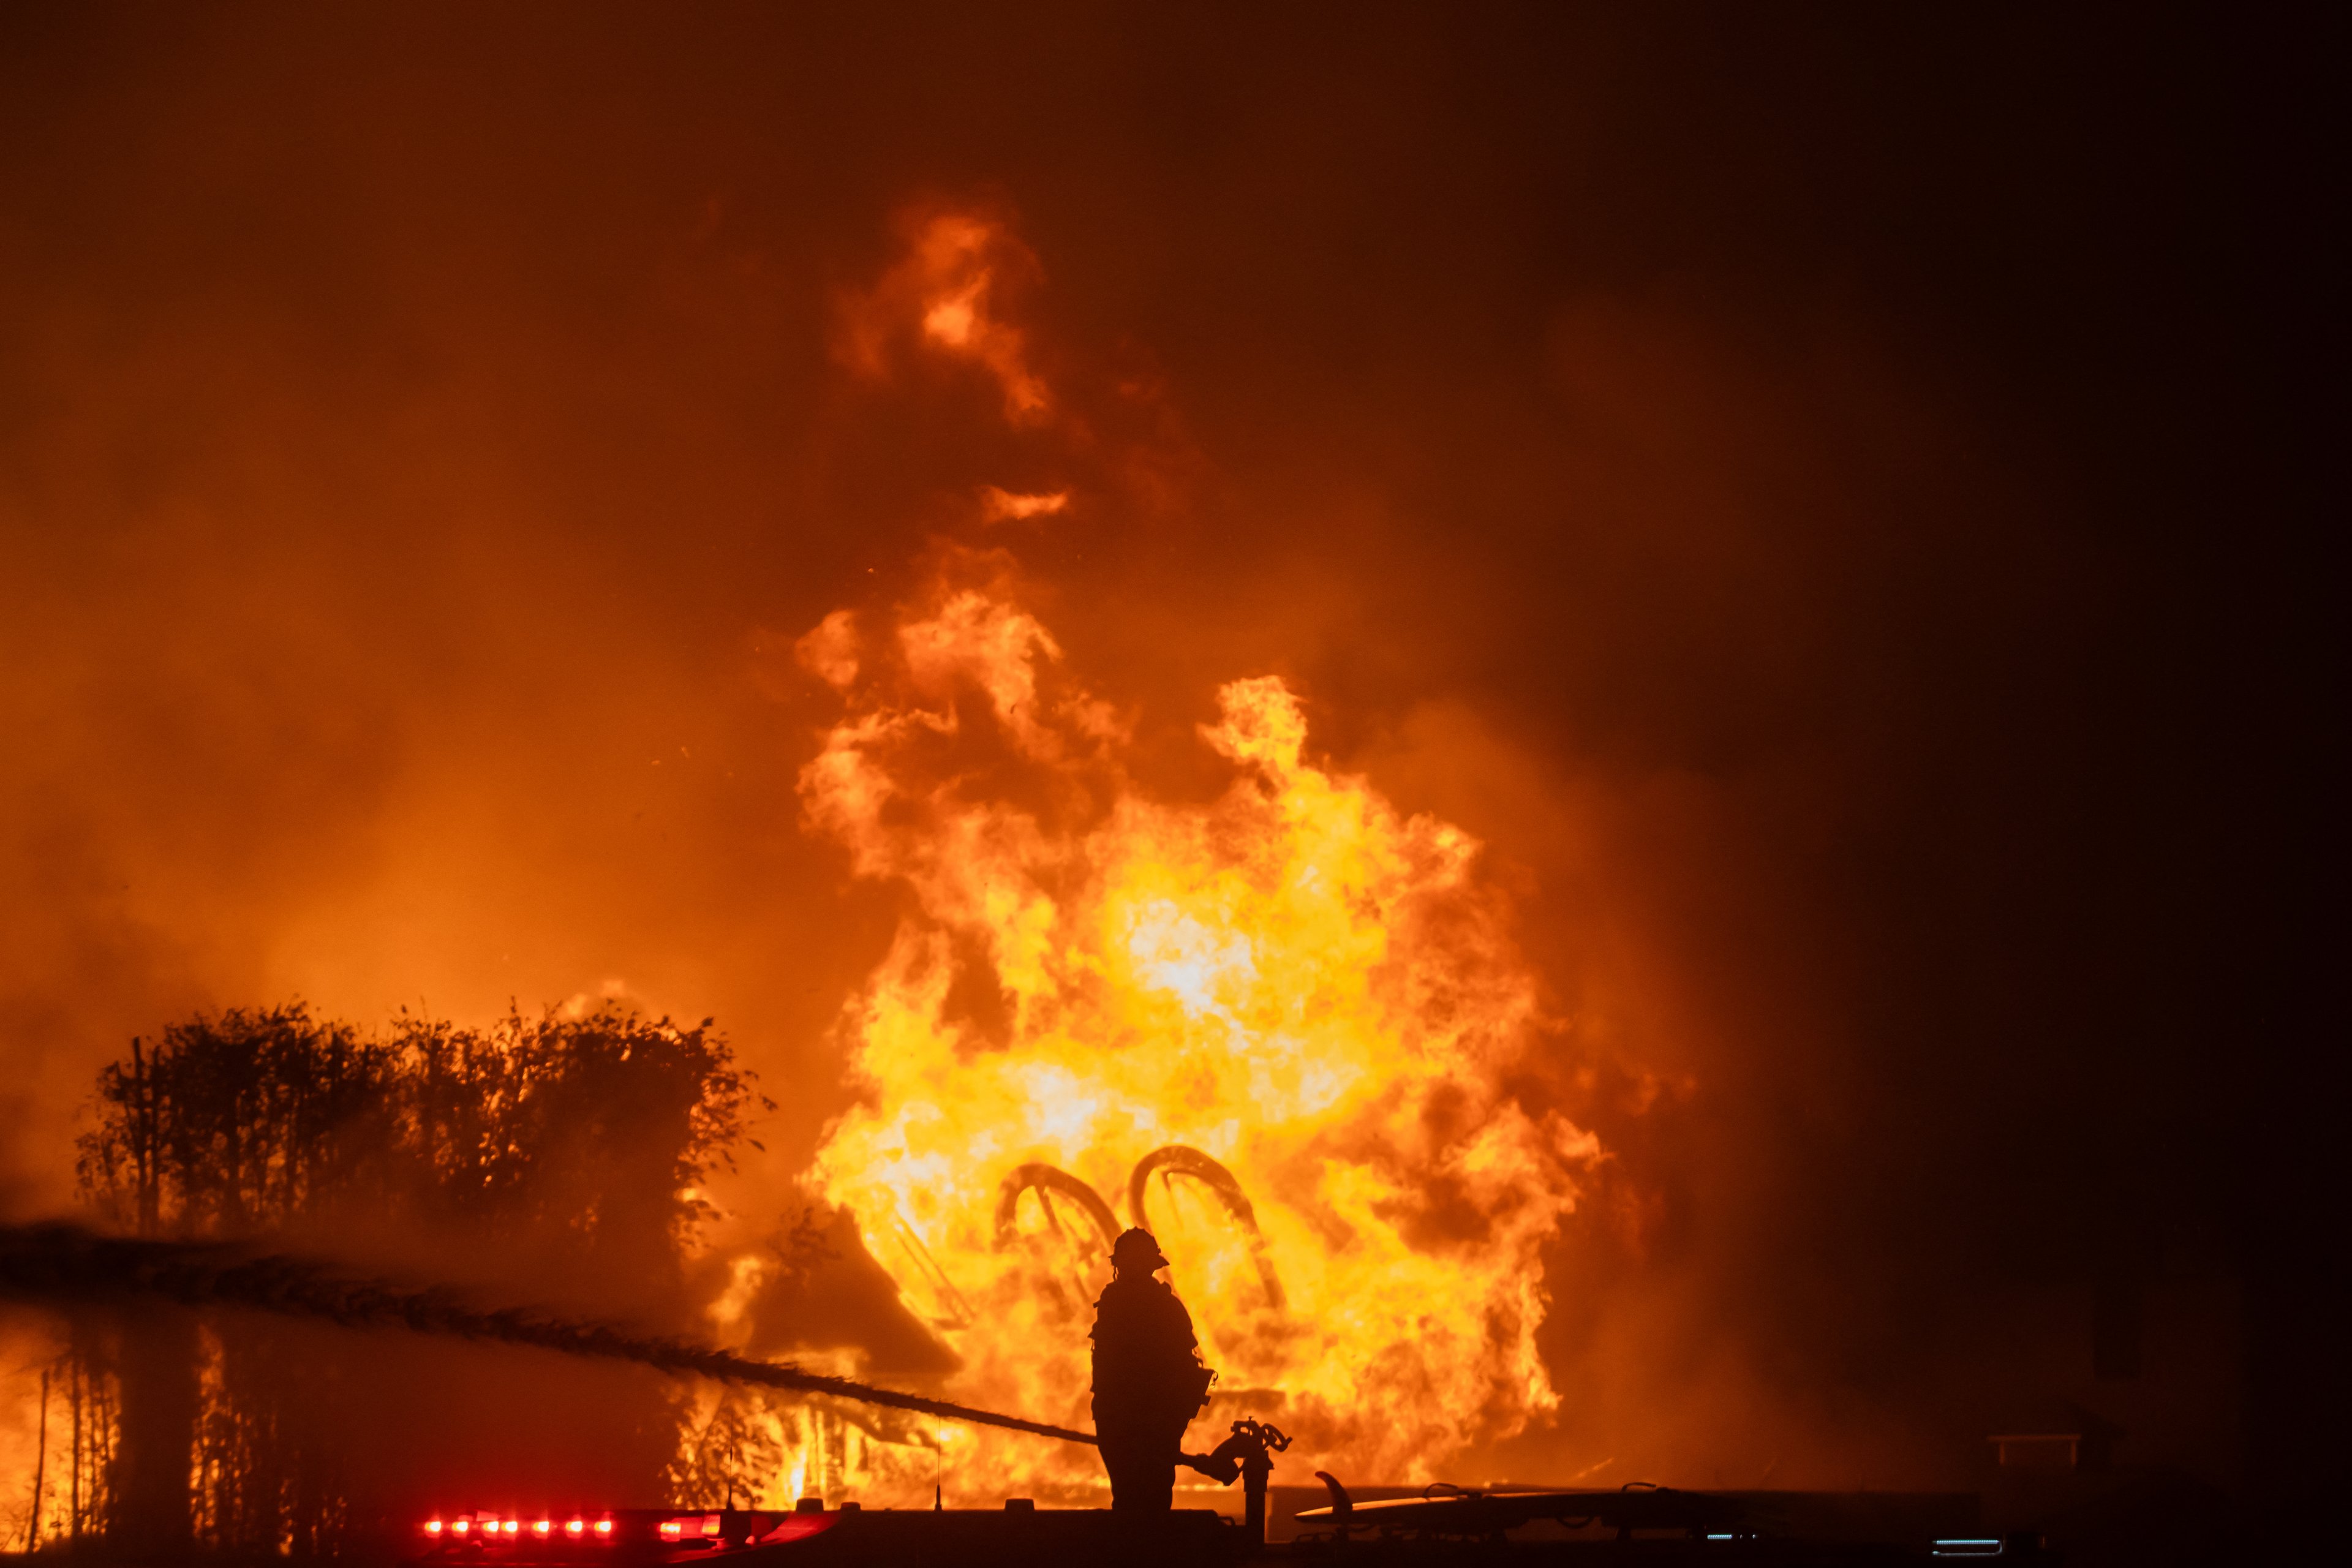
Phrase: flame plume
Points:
(1281, 1022)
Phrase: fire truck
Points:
(815, 1534)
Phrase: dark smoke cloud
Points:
(1819, 495)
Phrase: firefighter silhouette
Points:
(1148, 1380)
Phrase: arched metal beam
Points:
(1047, 1179)
(1180, 1159)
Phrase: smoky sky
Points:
(1824, 496)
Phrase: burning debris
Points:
(1166, 1165)
(1280, 1024)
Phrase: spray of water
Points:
(57, 1263)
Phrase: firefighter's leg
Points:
(1142, 1469)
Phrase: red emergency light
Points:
(448, 1530)
(706, 1528)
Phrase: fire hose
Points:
(57, 1262)
(60, 1262)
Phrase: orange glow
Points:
(603, 1527)
(1002, 506)
(1294, 980)
(575, 1527)
(947, 285)
(671, 1530)
(433, 1527)
(540, 1527)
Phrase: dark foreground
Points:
(1658, 1527)
(1724, 1530)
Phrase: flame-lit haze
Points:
(1590, 649)
(947, 296)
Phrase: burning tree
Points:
(570, 1146)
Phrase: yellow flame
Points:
(1316, 992)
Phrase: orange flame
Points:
(1312, 997)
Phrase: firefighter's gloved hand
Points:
(1220, 1467)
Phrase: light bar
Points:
(575, 1527)
(434, 1526)
(539, 1527)
(461, 1525)
(1967, 1546)
(672, 1530)
(605, 1527)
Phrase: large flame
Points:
(1294, 981)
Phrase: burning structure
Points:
(1278, 1026)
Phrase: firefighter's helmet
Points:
(1137, 1248)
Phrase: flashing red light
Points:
(671, 1530)
(604, 1528)
(575, 1527)
(433, 1527)
(540, 1528)
(512, 1527)
(460, 1526)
